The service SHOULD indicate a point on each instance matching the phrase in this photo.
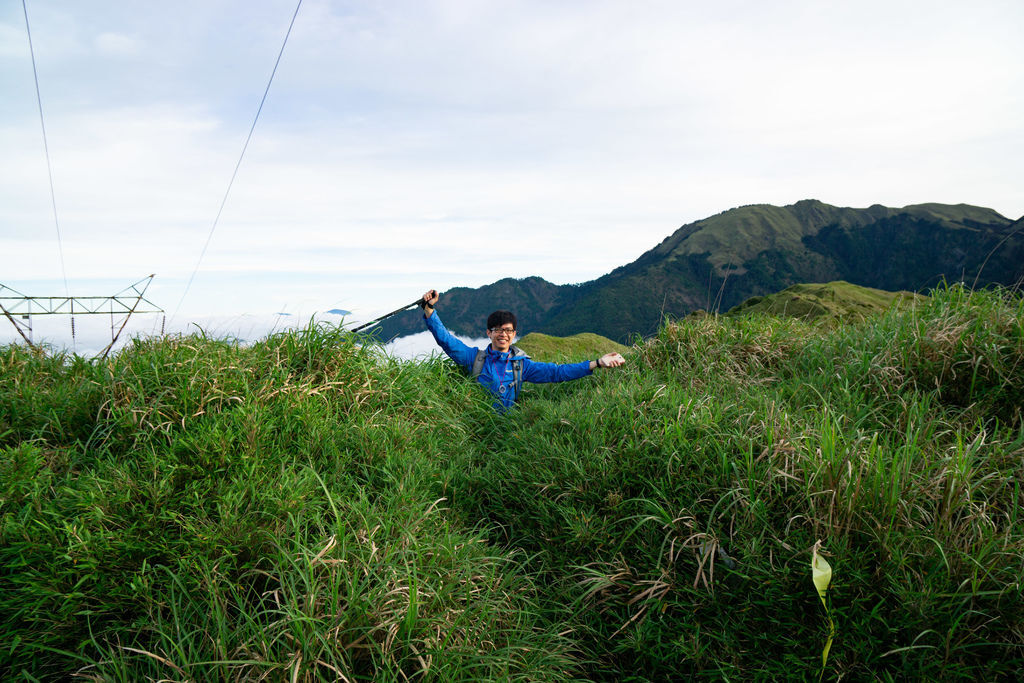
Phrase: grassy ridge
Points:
(838, 302)
(547, 348)
(306, 508)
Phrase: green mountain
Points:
(721, 261)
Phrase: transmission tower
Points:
(19, 309)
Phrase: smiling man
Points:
(501, 367)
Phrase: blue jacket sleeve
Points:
(458, 351)
(554, 372)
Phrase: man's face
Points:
(502, 337)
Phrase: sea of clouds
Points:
(93, 333)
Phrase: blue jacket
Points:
(496, 374)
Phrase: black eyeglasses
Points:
(501, 330)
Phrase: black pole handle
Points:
(418, 302)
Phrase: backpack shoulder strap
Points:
(517, 375)
(478, 363)
(517, 367)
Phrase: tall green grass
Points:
(306, 508)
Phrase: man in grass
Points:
(501, 367)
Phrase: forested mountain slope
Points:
(719, 262)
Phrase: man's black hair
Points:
(499, 318)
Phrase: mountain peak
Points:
(720, 261)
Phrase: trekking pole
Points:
(418, 302)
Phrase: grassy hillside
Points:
(834, 301)
(307, 509)
(544, 347)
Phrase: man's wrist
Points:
(598, 362)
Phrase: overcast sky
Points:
(408, 145)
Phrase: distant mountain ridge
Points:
(719, 262)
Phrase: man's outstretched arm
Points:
(534, 371)
(458, 351)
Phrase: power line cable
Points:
(49, 166)
(237, 165)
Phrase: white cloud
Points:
(13, 41)
(422, 344)
(416, 144)
(116, 44)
